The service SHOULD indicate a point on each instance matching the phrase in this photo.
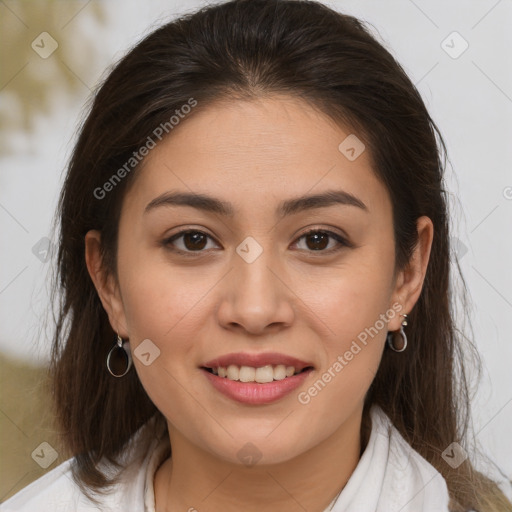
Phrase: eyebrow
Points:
(288, 207)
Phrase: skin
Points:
(291, 299)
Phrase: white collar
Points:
(391, 476)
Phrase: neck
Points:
(194, 479)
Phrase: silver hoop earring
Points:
(119, 357)
(398, 345)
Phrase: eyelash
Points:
(167, 243)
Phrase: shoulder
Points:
(402, 456)
(407, 469)
(57, 491)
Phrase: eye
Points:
(317, 240)
(192, 241)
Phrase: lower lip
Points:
(254, 393)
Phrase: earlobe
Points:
(410, 280)
(104, 282)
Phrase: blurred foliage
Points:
(29, 84)
(26, 420)
(31, 89)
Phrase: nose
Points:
(255, 297)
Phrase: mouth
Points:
(261, 368)
(260, 375)
(256, 379)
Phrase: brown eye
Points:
(194, 240)
(318, 240)
(188, 241)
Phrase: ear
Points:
(409, 280)
(105, 283)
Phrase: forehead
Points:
(258, 152)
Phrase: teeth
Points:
(280, 371)
(261, 375)
(264, 374)
(247, 374)
(233, 372)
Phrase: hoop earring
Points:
(122, 349)
(392, 336)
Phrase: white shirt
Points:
(390, 477)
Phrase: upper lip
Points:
(256, 360)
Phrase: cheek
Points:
(168, 306)
(164, 306)
(356, 311)
(158, 299)
(350, 300)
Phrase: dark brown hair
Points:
(248, 49)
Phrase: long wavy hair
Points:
(245, 49)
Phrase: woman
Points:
(254, 218)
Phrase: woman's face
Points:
(253, 283)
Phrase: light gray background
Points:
(469, 97)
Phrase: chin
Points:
(256, 450)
